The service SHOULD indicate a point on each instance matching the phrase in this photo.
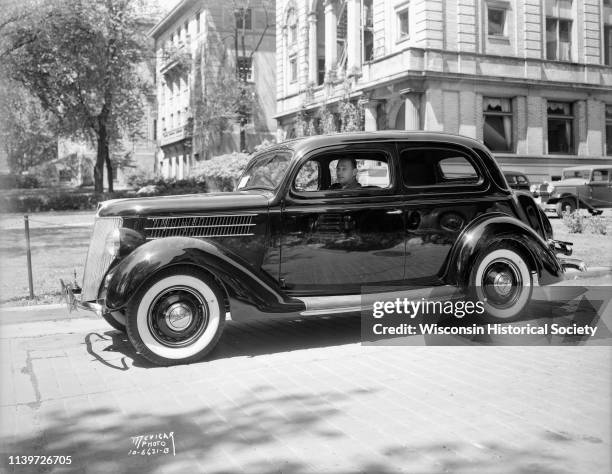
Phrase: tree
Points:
(27, 131)
(79, 58)
(223, 92)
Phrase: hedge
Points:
(65, 200)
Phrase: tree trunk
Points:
(109, 172)
(103, 156)
(99, 168)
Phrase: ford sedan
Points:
(312, 224)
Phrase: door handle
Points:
(395, 212)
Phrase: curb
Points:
(32, 307)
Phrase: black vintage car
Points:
(517, 181)
(313, 222)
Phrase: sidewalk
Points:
(301, 396)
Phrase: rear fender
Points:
(492, 228)
(155, 256)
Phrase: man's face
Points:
(345, 173)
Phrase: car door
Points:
(446, 188)
(601, 188)
(337, 240)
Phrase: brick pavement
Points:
(306, 397)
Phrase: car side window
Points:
(353, 171)
(436, 166)
(309, 177)
(600, 176)
(371, 173)
(521, 179)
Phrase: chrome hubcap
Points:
(178, 316)
(502, 283)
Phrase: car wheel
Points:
(566, 205)
(116, 319)
(176, 318)
(501, 280)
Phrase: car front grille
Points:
(199, 226)
(98, 260)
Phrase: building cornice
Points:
(171, 17)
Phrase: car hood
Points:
(185, 204)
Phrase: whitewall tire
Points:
(176, 318)
(502, 281)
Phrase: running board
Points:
(321, 305)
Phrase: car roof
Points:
(316, 141)
(588, 167)
(513, 173)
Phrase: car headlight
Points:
(550, 188)
(113, 243)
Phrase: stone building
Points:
(530, 78)
(191, 38)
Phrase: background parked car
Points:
(587, 187)
(517, 180)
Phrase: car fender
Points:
(579, 201)
(240, 282)
(491, 228)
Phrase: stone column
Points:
(370, 107)
(412, 101)
(331, 55)
(312, 47)
(353, 40)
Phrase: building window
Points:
(560, 127)
(367, 31)
(558, 39)
(245, 68)
(497, 132)
(320, 71)
(243, 18)
(403, 29)
(197, 21)
(496, 22)
(608, 45)
(293, 69)
(609, 130)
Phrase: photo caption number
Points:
(31, 459)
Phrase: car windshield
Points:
(265, 172)
(583, 174)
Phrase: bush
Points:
(50, 199)
(19, 181)
(574, 222)
(598, 225)
(221, 173)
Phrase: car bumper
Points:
(565, 249)
(72, 296)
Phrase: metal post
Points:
(29, 254)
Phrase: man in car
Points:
(346, 174)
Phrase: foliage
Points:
(50, 199)
(263, 145)
(222, 93)
(18, 181)
(214, 107)
(351, 116)
(80, 59)
(222, 172)
(27, 131)
(574, 221)
(598, 225)
(327, 120)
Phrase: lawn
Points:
(59, 243)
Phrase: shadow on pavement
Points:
(267, 432)
(241, 339)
